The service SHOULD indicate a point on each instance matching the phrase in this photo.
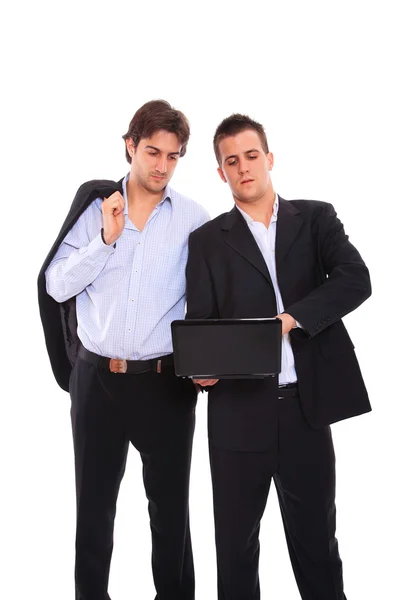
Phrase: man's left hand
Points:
(204, 382)
(287, 322)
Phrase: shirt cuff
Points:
(97, 245)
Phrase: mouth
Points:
(246, 181)
(158, 177)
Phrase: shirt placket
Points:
(134, 305)
(134, 297)
(279, 302)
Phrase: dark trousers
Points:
(156, 413)
(302, 463)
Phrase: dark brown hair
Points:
(235, 124)
(154, 116)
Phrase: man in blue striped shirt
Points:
(124, 261)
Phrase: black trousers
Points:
(156, 413)
(302, 463)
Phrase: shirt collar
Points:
(249, 220)
(166, 195)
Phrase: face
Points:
(245, 166)
(154, 160)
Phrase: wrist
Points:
(292, 319)
(106, 240)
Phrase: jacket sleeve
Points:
(200, 296)
(345, 278)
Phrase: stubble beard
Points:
(152, 186)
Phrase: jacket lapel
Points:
(238, 236)
(288, 226)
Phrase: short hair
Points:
(154, 116)
(235, 124)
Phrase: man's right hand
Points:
(113, 217)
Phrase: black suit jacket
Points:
(59, 320)
(321, 277)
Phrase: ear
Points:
(221, 174)
(130, 147)
(270, 160)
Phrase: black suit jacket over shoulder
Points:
(321, 277)
(59, 320)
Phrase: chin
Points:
(246, 197)
(157, 187)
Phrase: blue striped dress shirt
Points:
(127, 296)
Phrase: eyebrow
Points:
(246, 152)
(158, 150)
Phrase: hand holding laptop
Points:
(204, 382)
(287, 322)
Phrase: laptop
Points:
(227, 348)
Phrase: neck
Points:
(140, 196)
(260, 209)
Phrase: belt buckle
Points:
(118, 365)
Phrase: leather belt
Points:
(117, 365)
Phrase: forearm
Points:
(346, 288)
(344, 278)
(74, 269)
(199, 288)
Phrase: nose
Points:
(161, 166)
(243, 167)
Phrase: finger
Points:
(205, 382)
(118, 204)
(109, 205)
(116, 197)
(121, 204)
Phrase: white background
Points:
(322, 78)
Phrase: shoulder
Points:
(210, 229)
(315, 212)
(96, 184)
(95, 189)
(308, 207)
(188, 208)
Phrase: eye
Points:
(232, 162)
(152, 153)
(252, 156)
(173, 157)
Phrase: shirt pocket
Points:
(168, 267)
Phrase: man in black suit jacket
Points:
(269, 257)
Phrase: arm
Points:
(199, 293)
(79, 259)
(200, 297)
(76, 265)
(347, 283)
